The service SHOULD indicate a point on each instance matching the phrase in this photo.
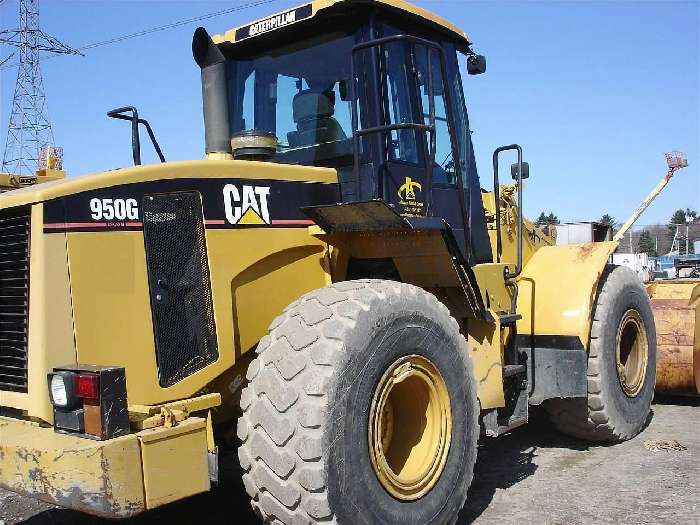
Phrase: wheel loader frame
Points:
(190, 262)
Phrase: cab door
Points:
(404, 180)
(446, 196)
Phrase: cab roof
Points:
(310, 10)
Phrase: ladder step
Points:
(511, 370)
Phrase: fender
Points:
(550, 308)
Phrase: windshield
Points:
(301, 93)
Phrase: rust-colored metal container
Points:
(676, 305)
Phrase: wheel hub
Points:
(632, 353)
(410, 427)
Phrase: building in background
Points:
(580, 232)
(640, 263)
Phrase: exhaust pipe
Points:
(214, 92)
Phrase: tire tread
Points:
(282, 425)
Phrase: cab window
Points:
(443, 166)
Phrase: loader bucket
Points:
(676, 306)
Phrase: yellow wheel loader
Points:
(329, 290)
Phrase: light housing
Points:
(89, 400)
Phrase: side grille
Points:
(14, 297)
(178, 274)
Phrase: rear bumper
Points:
(118, 478)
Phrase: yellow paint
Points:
(211, 440)
(534, 237)
(276, 268)
(492, 286)
(49, 175)
(486, 351)
(558, 286)
(210, 169)
(255, 273)
(117, 478)
(320, 5)
(175, 463)
(50, 321)
(422, 259)
(142, 416)
(193, 404)
(165, 418)
(250, 217)
(676, 307)
(100, 477)
(410, 427)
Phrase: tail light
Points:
(89, 400)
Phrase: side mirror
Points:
(514, 171)
(476, 64)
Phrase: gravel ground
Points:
(532, 475)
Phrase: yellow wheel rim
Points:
(410, 427)
(632, 353)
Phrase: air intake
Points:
(14, 297)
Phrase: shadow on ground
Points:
(501, 463)
(505, 461)
(664, 399)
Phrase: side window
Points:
(287, 88)
(444, 167)
(402, 143)
(464, 144)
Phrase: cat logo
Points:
(408, 190)
(247, 205)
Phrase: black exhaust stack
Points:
(214, 92)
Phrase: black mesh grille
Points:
(176, 254)
(14, 298)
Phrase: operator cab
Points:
(372, 89)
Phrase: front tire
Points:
(621, 364)
(361, 409)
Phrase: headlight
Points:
(62, 389)
(58, 391)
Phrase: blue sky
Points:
(595, 92)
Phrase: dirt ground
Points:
(530, 476)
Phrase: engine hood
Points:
(167, 170)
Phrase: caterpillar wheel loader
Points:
(329, 290)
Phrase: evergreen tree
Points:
(646, 244)
(607, 220)
(544, 220)
(678, 217)
(552, 219)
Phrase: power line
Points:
(178, 23)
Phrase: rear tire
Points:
(621, 364)
(313, 390)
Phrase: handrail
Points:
(428, 128)
(135, 139)
(497, 198)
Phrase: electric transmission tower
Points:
(29, 127)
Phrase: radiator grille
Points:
(14, 297)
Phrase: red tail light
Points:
(87, 386)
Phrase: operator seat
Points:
(313, 115)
